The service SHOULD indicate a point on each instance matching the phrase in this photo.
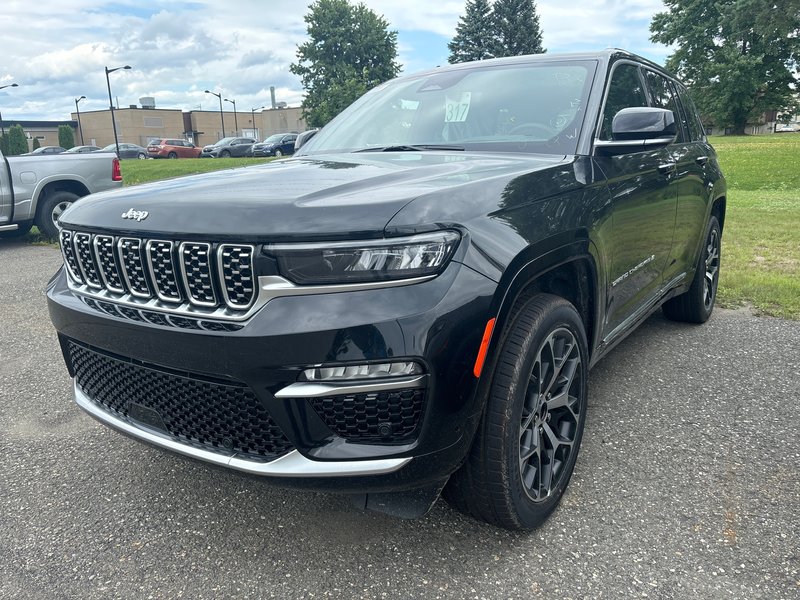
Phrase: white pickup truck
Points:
(35, 190)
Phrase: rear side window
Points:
(624, 91)
(663, 95)
(691, 117)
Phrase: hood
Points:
(318, 197)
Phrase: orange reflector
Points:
(487, 335)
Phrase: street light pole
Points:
(221, 117)
(253, 113)
(235, 118)
(111, 103)
(2, 125)
(78, 110)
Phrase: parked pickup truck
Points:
(35, 190)
(412, 303)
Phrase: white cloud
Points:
(56, 50)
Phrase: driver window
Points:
(624, 91)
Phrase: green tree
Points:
(36, 143)
(17, 142)
(66, 137)
(350, 50)
(516, 28)
(473, 39)
(4, 144)
(737, 56)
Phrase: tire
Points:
(278, 153)
(225, 154)
(141, 156)
(526, 446)
(172, 155)
(696, 305)
(21, 230)
(49, 211)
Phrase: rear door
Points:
(643, 201)
(692, 158)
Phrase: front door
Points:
(643, 197)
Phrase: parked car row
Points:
(279, 144)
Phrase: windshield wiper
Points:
(410, 148)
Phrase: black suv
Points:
(413, 302)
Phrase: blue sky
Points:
(56, 50)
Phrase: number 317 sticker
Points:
(457, 109)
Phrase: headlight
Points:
(371, 260)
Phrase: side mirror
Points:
(303, 138)
(637, 129)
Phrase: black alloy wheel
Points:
(551, 413)
(526, 446)
(172, 155)
(696, 305)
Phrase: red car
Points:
(172, 149)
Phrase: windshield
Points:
(501, 108)
(110, 148)
(273, 139)
(224, 141)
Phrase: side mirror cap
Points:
(640, 128)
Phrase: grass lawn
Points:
(761, 241)
(142, 171)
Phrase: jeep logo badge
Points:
(136, 215)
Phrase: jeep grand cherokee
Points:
(413, 302)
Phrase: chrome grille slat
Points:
(133, 269)
(83, 252)
(161, 264)
(195, 262)
(165, 282)
(235, 262)
(68, 252)
(107, 263)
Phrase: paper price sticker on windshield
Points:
(457, 109)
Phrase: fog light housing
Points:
(364, 371)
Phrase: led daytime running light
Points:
(353, 372)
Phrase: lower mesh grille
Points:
(215, 416)
(375, 417)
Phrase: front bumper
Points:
(437, 323)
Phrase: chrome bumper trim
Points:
(269, 288)
(309, 389)
(292, 464)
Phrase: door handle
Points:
(666, 169)
(701, 160)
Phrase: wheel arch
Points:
(718, 208)
(74, 186)
(568, 270)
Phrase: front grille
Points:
(215, 416)
(391, 416)
(176, 275)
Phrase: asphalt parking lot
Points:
(687, 486)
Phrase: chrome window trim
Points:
(308, 389)
(212, 275)
(75, 234)
(148, 252)
(100, 270)
(132, 291)
(292, 464)
(221, 270)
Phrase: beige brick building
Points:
(139, 125)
